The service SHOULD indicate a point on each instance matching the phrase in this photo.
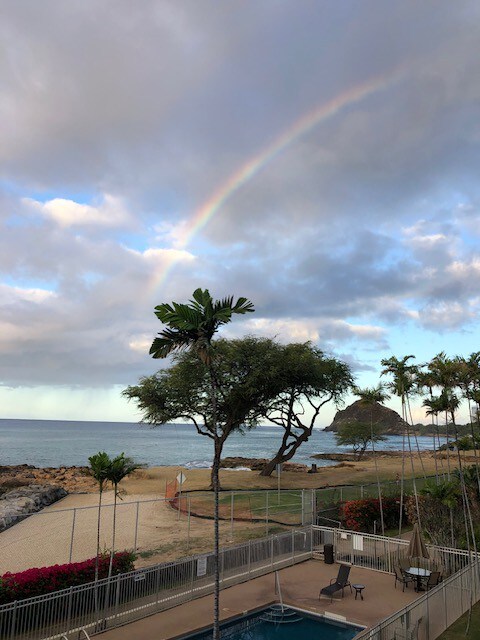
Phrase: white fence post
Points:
(266, 512)
(135, 544)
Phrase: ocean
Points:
(55, 443)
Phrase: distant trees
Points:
(359, 435)
(369, 397)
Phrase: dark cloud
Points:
(121, 120)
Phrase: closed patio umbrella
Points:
(417, 548)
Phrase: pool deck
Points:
(300, 586)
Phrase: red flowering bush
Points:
(360, 515)
(35, 582)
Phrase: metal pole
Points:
(303, 507)
(188, 524)
(193, 576)
(266, 512)
(135, 546)
(71, 537)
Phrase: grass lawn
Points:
(285, 506)
(457, 630)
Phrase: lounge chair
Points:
(338, 583)
(402, 577)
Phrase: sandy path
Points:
(44, 538)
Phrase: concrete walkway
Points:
(300, 587)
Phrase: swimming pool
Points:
(274, 623)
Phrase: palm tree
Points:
(445, 373)
(192, 326)
(468, 380)
(120, 467)
(369, 396)
(404, 376)
(425, 380)
(99, 468)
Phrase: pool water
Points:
(275, 624)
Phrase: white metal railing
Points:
(290, 507)
(130, 596)
(431, 614)
(382, 553)
(142, 592)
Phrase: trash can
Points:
(328, 553)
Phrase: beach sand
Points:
(162, 533)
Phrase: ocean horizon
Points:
(57, 443)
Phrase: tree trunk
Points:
(216, 535)
(281, 456)
(114, 524)
(218, 443)
(269, 467)
(98, 534)
(112, 552)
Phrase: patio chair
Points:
(338, 583)
(401, 576)
(404, 563)
(433, 580)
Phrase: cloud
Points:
(111, 212)
(318, 330)
(122, 121)
(443, 316)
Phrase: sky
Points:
(320, 158)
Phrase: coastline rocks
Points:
(72, 479)
(18, 504)
(350, 457)
(257, 464)
(390, 421)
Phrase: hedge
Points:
(36, 582)
(360, 515)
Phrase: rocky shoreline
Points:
(18, 504)
(257, 464)
(71, 479)
(350, 457)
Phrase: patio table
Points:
(418, 573)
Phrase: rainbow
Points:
(299, 128)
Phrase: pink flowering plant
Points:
(38, 581)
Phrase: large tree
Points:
(359, 435)
(309, 379)
(247, 379)
(191, 326)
